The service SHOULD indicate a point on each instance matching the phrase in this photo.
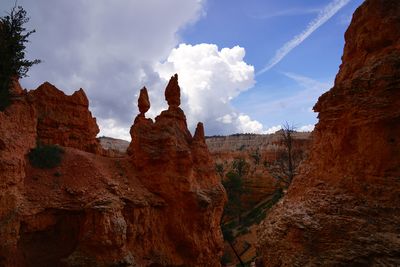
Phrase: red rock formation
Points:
(161, 206)
(17, 137)
(143, 101)
(259, 182)
(173, 92)
(65, 120)
(178, 168)
(344, 209)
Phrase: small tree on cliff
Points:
(286, 164)
(13, 64)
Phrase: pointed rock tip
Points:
(143, 101)
(199, 133)
(173, 92)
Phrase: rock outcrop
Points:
(177, 167)
(344, 208)
(64, 120)
(159, 206)
(17, 137)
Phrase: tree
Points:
(286, 164)
(13, 64)
(234, 185)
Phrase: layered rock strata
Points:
(344, 208)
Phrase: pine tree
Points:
(13, 64)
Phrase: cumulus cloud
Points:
(306, 128)
(210, 78)
(273, 129)
(109, 48)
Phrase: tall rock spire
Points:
(173, 92)
(143, 101)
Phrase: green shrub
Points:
(46, 156)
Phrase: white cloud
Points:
(273, 129)
(306, 128)
(210, 78)
(247, 125)
(324, 15)
(112, 128)
(287, 12)
(109, 48)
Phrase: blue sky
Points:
(263, 27)
(244, 66)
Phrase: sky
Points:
(243, 66)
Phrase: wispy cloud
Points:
(287, 12)
(324, 15)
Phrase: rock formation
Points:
(258, 181)
(179, 169)
(17, 137)
(160, 206)
(143, 101)
(64, 120)
(344, 208)
(173, 92)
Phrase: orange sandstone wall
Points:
(64, 120)
(344, 208)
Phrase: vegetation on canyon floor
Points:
(238, 218)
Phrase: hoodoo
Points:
(158, 206)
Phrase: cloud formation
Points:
(324, 15)
(109, 48)
(287, 12)
(210, 78)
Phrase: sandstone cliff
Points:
(344, 208)
(64, 120)
(160, 206)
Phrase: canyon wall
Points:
(158, 206)
(259, 151)
(344, 207)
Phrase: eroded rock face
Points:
(177, 167)
(344, 208)
(143, 101)
(17, 137)
(65, 120)
(160, 206)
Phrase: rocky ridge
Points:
(160, 206)
(64, 120)
(344, 207)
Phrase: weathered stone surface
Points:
(161, 209)
(17, 137)
(143, 101)
(65, 120)
(173, 92)
(344, 208)
(179, 169)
